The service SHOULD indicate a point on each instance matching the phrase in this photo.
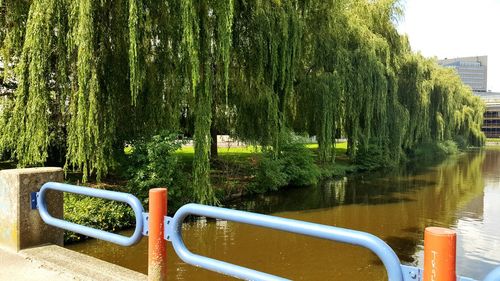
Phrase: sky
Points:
(455, 28)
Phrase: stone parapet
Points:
(21, 227)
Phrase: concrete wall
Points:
(21, 227)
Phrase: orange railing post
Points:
(157, 251)
(439, 254)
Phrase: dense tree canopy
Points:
(95, 75)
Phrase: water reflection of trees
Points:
(454, 182)
(416, 196)
(457, 182)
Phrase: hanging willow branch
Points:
(190, 39)
(136, 76)
(87, 147)
(28, 131)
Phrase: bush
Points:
(152, 163)
(293, 164)
(447, 148)
(336, 170)
(96, 213)
(373, 157)
(461, 142)
(270, 174)
(435, 150)
(148, 164)
(299, 164)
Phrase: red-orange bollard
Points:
(439, 254)
(157, 251)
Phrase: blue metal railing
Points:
(494, 275)
(173, 233)
(363, 239)
(131, 200)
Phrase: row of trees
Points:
(95, 75)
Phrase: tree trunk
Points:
(213, 134)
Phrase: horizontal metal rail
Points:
(131, 200)
(494, 275)
(173, 232)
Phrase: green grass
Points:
(186, 150)
(186, 153)
(244, 158)
(493, 139)
(235, 154)
(340, 147)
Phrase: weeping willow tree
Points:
(207, 35)
(360, 78)
(319, 103)
(13, 17)
(95, 75)
(28, 132)
(454, 112)
(440, 106)
(266, 54)
(353, 48)
(73, 84)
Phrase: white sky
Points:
(455, 28)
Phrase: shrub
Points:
(299, 165)
(447, 148)
(293, 164)
(152, 163)
(270, 174)
(373, 157)
(96, 213)
(435, 150)
(336, 170)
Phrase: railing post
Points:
(439, 254)
(157, 251)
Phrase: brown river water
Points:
(462, 193)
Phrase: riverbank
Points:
(236, 172)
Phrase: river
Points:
(461, 193)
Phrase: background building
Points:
(491, 125)
(472, 70)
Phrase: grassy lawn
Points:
(340, 147)
(188, 151)
(235, 167)
(493, 139)
(244, 155)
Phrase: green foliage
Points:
(270, 174)
(152, 164)
(96, 213)
(437, 150)
(337, 170)
(28, 132)
(94, 75)
(136, 77)
(292, 165)
(373, 157)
